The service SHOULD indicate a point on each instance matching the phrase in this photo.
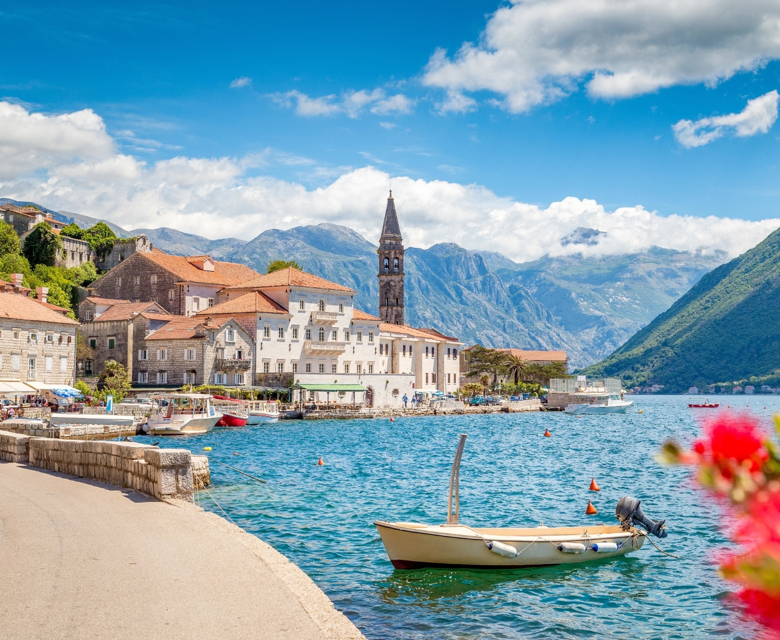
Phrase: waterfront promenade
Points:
(81, 559)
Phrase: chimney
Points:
(207, 322)
(42, 292)
(16, 280)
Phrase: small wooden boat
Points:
(410, 545)
(182, 414)
(704, 405)
(230, 419)
(233, 412)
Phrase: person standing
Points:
(405, 399)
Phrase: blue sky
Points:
(158, 79)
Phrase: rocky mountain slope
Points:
(724, 329)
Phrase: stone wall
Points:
(201, 473)
(14, 447)
(47, 344)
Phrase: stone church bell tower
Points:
(391, 268)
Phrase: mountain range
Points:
(724, 330)
(587, 306)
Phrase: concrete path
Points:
(80, 559)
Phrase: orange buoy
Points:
(547, 433)
(590, 510)
(235, 454)
(320, 462)
(392, 419)
(593, 485)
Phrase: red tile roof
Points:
(253, 302)
(53, 307)
(290, 277)
(184, 328)
(127, 310)
(537, 356)
(404, 329)
(357, 314)
(102, 301)
(15, 306)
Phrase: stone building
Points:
(108, 331)
(181, 285)
(37, 342)
(74, 252)
(391, 267)
(23, 219)
(123, 248)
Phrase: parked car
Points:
(493, 400)
(477, 401)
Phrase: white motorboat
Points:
(411, 545)
(182, 414)
(597, 403)
(262, 412)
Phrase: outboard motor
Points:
(629, 513)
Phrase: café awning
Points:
(15, 387)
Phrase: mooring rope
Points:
(237, 470)
(219, 505)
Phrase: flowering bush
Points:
(739, 463)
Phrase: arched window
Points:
(322, 334)
(387, 302)
(322, 305)
(387, 264)
(395, 265)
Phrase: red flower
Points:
(764, 608)
(733, 440)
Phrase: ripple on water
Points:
(321, 518)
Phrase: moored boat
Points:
(412, 545)
(233, 412)
(262, 412)
(183, 414)
(231, 419)
(597, 403)
(704, 405)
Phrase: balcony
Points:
(324, 317)
(231, 364)
(314, 346)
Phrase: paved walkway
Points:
(80, 559)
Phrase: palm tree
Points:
(485, 381)
(515, 367)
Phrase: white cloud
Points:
(537, 51)
(757, 117)
(388, 125)
(243, 81)
(351, 103)
(456, 102)
(219, 197)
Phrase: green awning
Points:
(329, 387)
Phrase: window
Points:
(189, 354)
(433, 352)
(395, 265)
(88, 315)
(33, 336)
(308, 367)
(403, 350)
(281, 333)
(454, 353)
(266, 367)
(239, 378)
(48, 363)
(189, 377)
(371, 368)
(63, 365)
(386, 264)
(387, 302)
(196, 303)
(31, 365)
(295, 367)
(69, 339)
(359, 368)
(162, 354)
(119, 282)
(266, 331)
(307, 333)
(322, 305)
(360, 336)
(410, 351)
(333, 368)
(162, 377)
(211, 302)
(280, 367)
(15, 362)
(301, 305)
(220, 353)
(88, 368)
(143, 377)
(81, 256)
(346, 335)
(370, 337)
(136, 279)
(321, 334)
(295, 333)
(346, 367)
(433, 378)
(426, 378)
(171, 294)
(220, 378)
(322, 368)
(239, 354)
(230, 335)
(341, 307)
(92, 343)
(143, 354)
(153, 278)
(111, 343)
(448, 378)
(16, 335)
(334, 336)
(50, 338)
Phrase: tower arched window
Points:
(387, 265)
(322, 334)
(387, 302)
(322, 305)
(395, 265)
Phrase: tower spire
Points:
(391, 267)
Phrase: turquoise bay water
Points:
(321, 518)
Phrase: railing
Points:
(325, 347)
(232, 364)
(324, 316)
(572, 385)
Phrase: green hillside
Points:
(725, 329)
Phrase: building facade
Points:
(37, 343)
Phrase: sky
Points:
(499, 126)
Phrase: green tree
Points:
(13, 263)
(9, 241)
(42, 245)
(515, 366)
(278, 265)
(73, 231)
(481, 361)
(113, 381)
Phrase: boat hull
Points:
(595, 409)
(261, 417)
(231, 420)
(193, 426)
(414, 546)
(704, 406)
